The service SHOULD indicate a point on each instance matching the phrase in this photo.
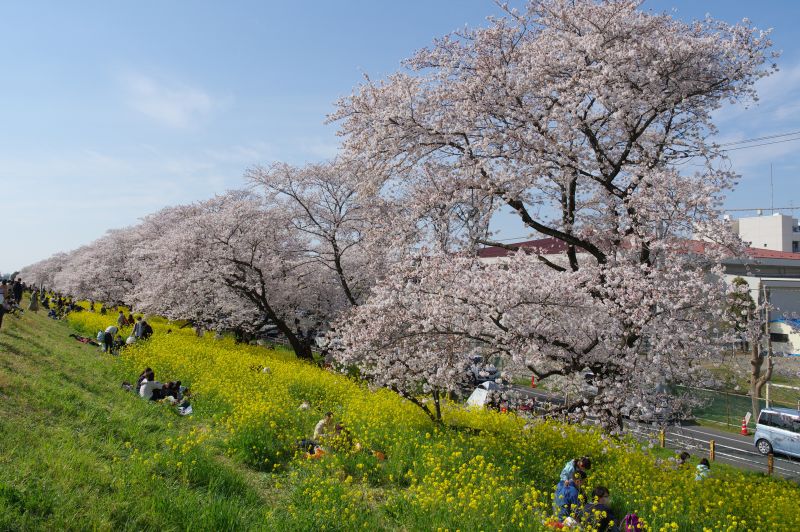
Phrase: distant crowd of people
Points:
(59, 305)
(56, 304)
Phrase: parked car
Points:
(778, 431)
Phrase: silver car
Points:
(778, 431)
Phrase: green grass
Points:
(67, 435)
(79, 453)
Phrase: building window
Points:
(795, 246)
(780, 338)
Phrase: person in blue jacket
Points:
(568, 494)
(579, 464)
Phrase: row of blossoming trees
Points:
(587, 121)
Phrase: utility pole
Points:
(771, 192)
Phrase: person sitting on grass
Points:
(342, 440)
(568, 495)
(703, 469)
(579, 464)
(146, 375)
(597, 514)
(119, 343)
(148, 387)
(683, 459)
(171, 390)
(147, 330)
(324, 426)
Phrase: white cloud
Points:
(173, 105)
(776, 106)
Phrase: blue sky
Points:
(110, 111)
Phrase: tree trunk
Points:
(757, 380)
(435, 417)
(302, 349)
(437, 405)
(337, 262)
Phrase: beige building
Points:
(777, 232)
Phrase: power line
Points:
(768, 137)
(761, 144)
(763, 209)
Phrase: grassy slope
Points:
(67, 431)
(77, 452)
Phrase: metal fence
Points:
(729, 408)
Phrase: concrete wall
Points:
(768, 232)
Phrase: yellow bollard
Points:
(770, 463)
(711, 450)
(662, 438)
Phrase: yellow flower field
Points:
(481, 470)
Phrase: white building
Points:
(777, 232)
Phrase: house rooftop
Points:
(554, 246)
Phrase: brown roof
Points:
(554, 246)
(771, 254)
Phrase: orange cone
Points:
(744, 427)
(533, 381)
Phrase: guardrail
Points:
(712, 448)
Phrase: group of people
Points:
(597, 511)
(173, 392)
(112, 341)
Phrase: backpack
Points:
(631, 523)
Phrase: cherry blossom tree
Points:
(579, 118)
(322, 202)
(237, 262)
(43, 273)
(102, 270)
(171, 281)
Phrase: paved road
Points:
(731, 448)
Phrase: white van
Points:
(778, 431)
